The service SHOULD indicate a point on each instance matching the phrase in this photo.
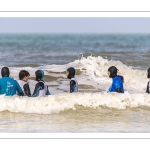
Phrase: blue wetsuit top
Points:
(116, 84)
(9, 86)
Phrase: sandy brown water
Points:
(81, 120)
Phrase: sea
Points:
(92, 109)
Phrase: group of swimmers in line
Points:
(10, 87)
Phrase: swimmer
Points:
(148, 84)
(117, 82)
(73, 86)
(24, 76)
(41, 88)
(9, 86)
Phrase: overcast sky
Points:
(74, 25)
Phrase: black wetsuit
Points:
(148, 87)
(41, 89)
(73, 85)
(25, 87)
(27, 90)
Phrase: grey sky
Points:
(74, 25)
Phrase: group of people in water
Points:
(10, 87)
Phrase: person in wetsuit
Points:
(117, 81)
(73, 86)
(41, 88)
(23, 78)
(148, 84)
(9, 86)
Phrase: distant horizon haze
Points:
(66, 25)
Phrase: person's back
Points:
(41, 88)
(23, 78)
(9, 86)
(117, 82)
(73, 85)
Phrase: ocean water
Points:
(92, 109)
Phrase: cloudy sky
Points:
(74, 25)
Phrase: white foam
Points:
(61, 102)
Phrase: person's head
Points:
(148, 73)
(39, 75)
(112, 71)
(70, 72)
(5, 72)
(24, 75)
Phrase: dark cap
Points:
(113, 71)
(5, 72)
(39, 75)
(72, 72)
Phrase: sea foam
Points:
(62, 102)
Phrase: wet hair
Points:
(39, 75)
(72, 72)
(5, 72)
(113, 71)
(23, 73)
(148, 70)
